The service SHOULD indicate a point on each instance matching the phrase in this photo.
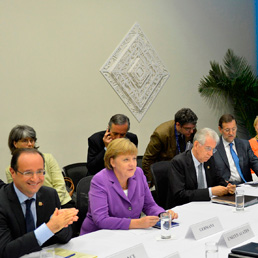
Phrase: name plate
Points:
(137, 251)
(204, 228)
(237, 235)
(174, 255)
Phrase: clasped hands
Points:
(62, 218)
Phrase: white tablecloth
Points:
(106, 242)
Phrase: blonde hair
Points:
(119, 147)
(255, 121)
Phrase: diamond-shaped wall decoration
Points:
(135, 72)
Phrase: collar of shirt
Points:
(226, 144)
(21, 196)
(196, 162)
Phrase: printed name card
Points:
(237, 235)
(174, 255)
(137, 251)
(204, 228)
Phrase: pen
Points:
(69, 256)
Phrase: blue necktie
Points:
(236, 160)
(30, 226)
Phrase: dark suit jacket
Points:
(247, 159)
(183, 180)
(14, 240)
(96, 151)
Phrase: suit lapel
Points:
(207, 169)
(222, 152)
(16, 208)
(191, 169)
(116, 185)
(239, 153)
(40, 208)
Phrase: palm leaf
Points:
(234, 84)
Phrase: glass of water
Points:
(211, 250)
(47, 253)
(165, 225)
(240, 199)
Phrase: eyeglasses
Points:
(27, 141)
(189, 129)
(208, 148)
(227, 130)
(31, 173)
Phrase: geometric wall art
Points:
(135, 72)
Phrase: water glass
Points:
(47, 253)
(211, 250)
(240, 199)
(165, 225)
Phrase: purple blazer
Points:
(110, 208)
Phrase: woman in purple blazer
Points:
(119, 193)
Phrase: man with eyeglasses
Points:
(30, 215)
(234, 157)
(193, 175)
(169, 139)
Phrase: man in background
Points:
(169, 139)
(118, 127)
(234, 157)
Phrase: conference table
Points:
(103, 243)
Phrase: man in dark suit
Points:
(118, 127)
(193, 175)
(29, 212)
(234, 157)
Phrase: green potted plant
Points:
(234, 84)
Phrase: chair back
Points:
(82, 200)
(76, 172)
(139, 161)
(159, 172)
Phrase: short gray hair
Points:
(202, 134)
(119, 119)
(20, 132)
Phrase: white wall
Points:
(51, 52)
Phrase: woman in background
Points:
(24, 136)
(254, 141)
(119, 193)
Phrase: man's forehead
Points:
(229, 124)
(119, 127)
(28, 158)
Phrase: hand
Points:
(148, 221)
(231, 188)
(107, 138)
(144, 222)
(219, 190)
(174, 215)
(62, 218)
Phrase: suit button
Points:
(130, 208)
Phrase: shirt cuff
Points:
(43, 233)
(210, 192)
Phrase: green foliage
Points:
(236, 84)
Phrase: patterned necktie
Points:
(236, 160)
(30, 226)
(200, 177)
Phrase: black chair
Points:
(139, 161)
(76, 172)
(159, 173)
(82, 199)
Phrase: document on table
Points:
(68, 253)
